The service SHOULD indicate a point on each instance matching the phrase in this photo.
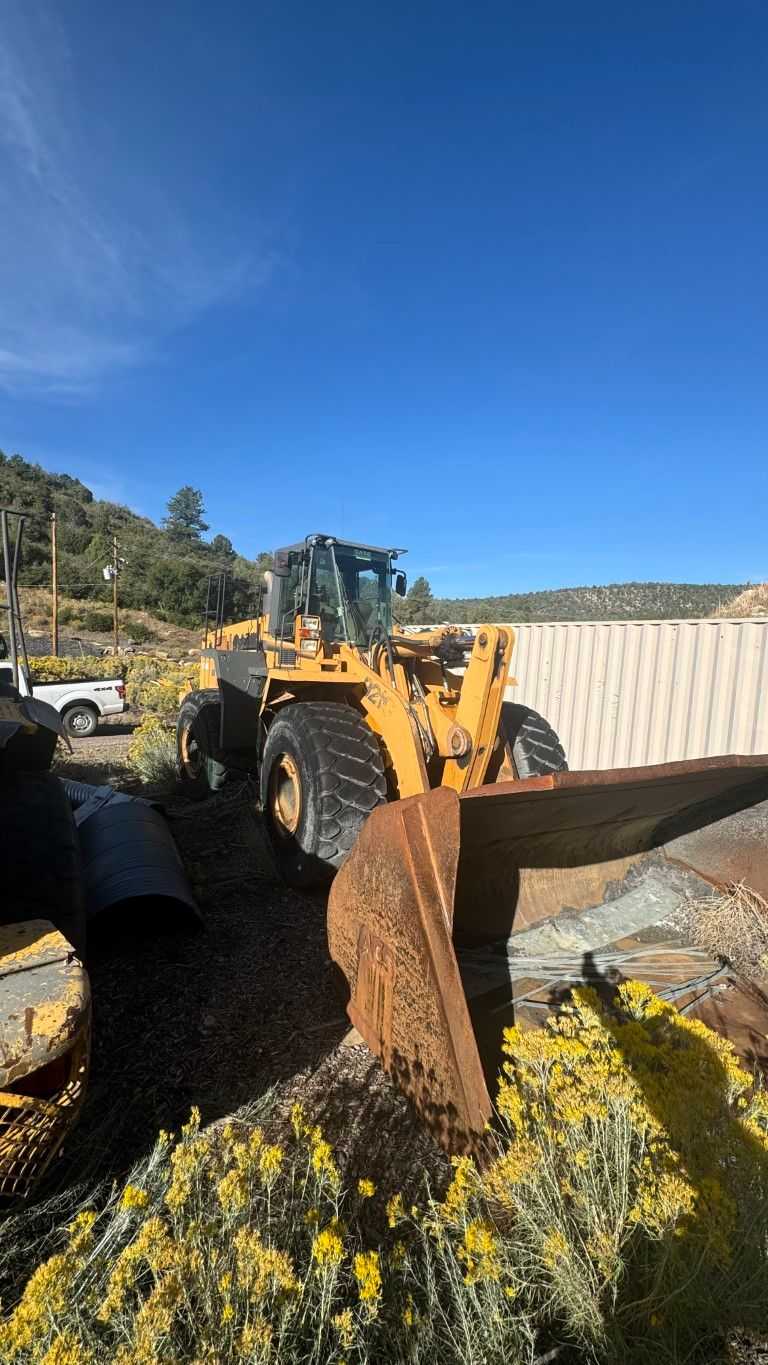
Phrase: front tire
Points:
(536, 749)
(200, 770)
(80, 722)
(322, 774)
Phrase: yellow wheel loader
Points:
(475, 877)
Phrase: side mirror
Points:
(401, 583)
(282, 564)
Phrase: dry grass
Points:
(733, 926)
(36, 612)
(752, 601)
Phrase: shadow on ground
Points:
(211, 1015)
(216, 1015)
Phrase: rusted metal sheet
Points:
(390, 916)
(439, 870)
(531, 849)
(741, 1014)
(620, 693)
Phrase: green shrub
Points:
(139, 633)
(93, 619)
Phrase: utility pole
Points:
(54, 590)
(115, 564)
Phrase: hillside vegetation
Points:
(83, 623)
(613, 602)
(166, 568)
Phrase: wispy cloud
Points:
(88, 284)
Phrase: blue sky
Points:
(488, 281)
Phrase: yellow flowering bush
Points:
(152, 752)
(621, 1209)
(633, 1167)
(368, 1276)
(328, 1245)
(134, 1198)
(49, 669)
(154, 685)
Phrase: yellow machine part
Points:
(44, 1050)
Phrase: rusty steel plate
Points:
(439, 867)
(389, 928)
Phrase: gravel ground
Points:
(217, 1014)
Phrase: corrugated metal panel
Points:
(621, 693)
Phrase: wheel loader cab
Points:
(346, 587)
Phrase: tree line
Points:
(165, 569)
(608, 602)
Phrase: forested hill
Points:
(613, 602)
(165, 570)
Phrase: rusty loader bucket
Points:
(454, 915)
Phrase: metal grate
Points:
(32, 1129)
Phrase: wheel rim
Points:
(79, 722)
(191, 756)
(285, 795)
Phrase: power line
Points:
(96, 584)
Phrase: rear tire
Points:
(80, 721)
(536, 749)
(322, 774)
(200, 769)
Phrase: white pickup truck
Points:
(81, 704)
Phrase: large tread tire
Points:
(337, 762)
(536, 749)
(198, 756)
(41, 872)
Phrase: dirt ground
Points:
(217, 1013)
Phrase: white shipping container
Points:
(626, 693)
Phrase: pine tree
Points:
(185, 514)
(419, 603)
(222, 547)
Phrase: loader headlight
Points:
(309, 634)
